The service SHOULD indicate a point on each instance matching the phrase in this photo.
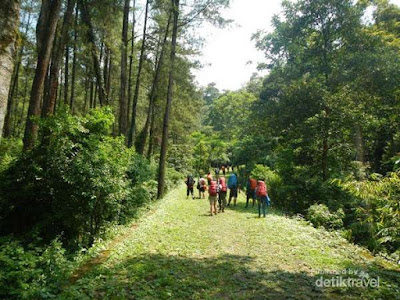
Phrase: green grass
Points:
(179, 252)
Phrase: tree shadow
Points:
(155, 276)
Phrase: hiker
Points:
(201, 186)
(209, 178)
(212, 197)
(222, 189)
(189, 185)
(223, 169)
(262, 197)
(251, 190)
(233, 188)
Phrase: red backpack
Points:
(213, 188)
(261, 189)
(223, 184)
(253, 184)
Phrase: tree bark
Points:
(10, 102)
(9, 21)
(164, 141)
(50, 99)
(72, 99)
(131, 65)
(14, 84)
(41, 72)
(142, 138)
(359, 142)
(91, 93)
(110, 67)
(132, 131)
(66, 75)
(151, 133)
(96, 63)
(123, 103)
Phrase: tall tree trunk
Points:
(31, 127)
(151, 132)
(24, 101)
(66, 75)
(91, 93)
(14, 84)
(110, 65)
(106, 66)
(359, 142)
(131, 66)
(10, 102)
(132, 131)
(96, 63)
(9, 21)
(85, 102)
(141, 141)
(164, 141)
(72, 99)
(123, 103)
(50, 99)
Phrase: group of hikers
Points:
(218, 188)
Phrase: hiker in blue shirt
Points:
(233, 188)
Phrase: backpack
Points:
(223, 184)
(213, 188)
(232, 182)
(261, 189)
(253, 184)
(190, 181)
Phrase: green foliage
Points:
(209, 150)
(180, 158)
(140, 170)
(10, 149)
(32, 272)
(74, 182)
(320, 215)
(377, 204)
(173, 178)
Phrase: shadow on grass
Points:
(224, 277)
(241, 208)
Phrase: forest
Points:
(101, 117)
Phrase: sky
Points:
(227, 51)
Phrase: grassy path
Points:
(179, 252)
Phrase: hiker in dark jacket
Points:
(233, 188)
(190, 184)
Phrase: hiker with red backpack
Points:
(251, 190)
(209, 178)
(189, 185)
(201, 186)
(212, 196)
(222, 190)
(262, 197)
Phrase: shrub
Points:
(140, 170)
(172, 178)
(319, 215)
(377, 203)
(73, 182)
(10, 149)
(32, 273)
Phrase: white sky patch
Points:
(227, 51)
